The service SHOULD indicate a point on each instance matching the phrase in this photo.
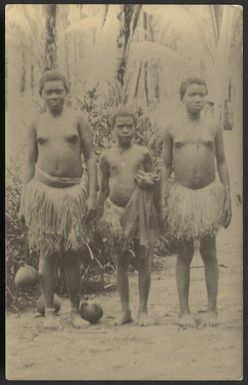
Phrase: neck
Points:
(194, 115)
(55, 112)
(124, 146)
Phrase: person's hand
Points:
(146, 179)
(227, 215)
(91, 208)
(163, 212)
(100, 211)
(162, 216)
(21, 218)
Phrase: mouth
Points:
(54, 102)
(125, 137)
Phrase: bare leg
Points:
(122, 279)
(72, 263)
(184, 258)
(143, 265)
(47, 267)
(208, 253)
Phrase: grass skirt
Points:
(195, 214)
(111, 229)
(55, 216)
(134, 223)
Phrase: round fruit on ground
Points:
(91, 312)
(40, 304)
(27, 276)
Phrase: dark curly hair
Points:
(123, 111)
(186, 83)
(52, 75)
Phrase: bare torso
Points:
(123, 166)
(193, 153)
(59, 144)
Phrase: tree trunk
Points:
(220, 73)
(23, 73)
(145, 26)
(32, 78)
(129, 17)
(137, 82)
(50, 46)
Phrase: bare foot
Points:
(144, 319)
(186, 321)
(77, 321)
(211, 319)
(51, 320)
(124, 319)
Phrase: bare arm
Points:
(145, 178)
(89, 154)
(104, 183)
(31, 156)
(148, 162)
(221, 160)
(223, 174)
(166, 168)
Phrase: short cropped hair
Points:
(50, 76)
(123, 111)
(186, 83)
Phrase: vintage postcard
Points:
(124, 192)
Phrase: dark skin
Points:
(56, 140)
(193, 146)
(121, 168)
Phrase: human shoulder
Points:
(106, 154)
(142, 150)
(170, 127)
(80, 117)
(34, 121)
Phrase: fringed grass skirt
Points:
(112, 230)
(126, 227)
(195, 214)
(55, 216)
(111, 222)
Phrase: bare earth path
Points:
(159, 352)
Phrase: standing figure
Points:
(56, 198)
(126, 203)
(195, 203)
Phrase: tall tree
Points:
(50, 45)
(129, 17)
(220, 75)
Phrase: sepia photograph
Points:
(123, 192)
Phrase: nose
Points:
(198, 98)
(125, 129)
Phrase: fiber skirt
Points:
(195, 214)
(55, 216)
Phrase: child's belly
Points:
(121, 190)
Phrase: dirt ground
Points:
(130, 352)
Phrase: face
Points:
(124, 129)
(194, 98)
(54, 94)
